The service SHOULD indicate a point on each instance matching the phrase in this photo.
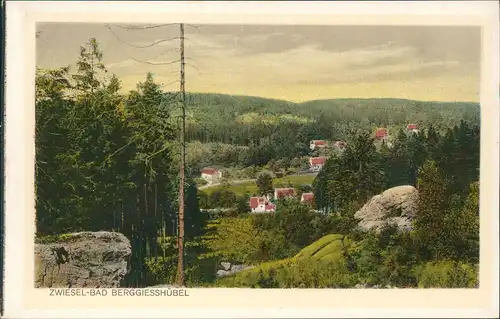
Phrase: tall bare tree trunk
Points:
(180, 240)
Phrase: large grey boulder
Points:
(395, 206)
(86, 259)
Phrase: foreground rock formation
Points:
(395, 206)
(87, 259)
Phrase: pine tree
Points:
(458, 157)
(432, 140)
(462, 229)
(319, 186)
(355, 176)
(264, 183)
(196, 220)
(417, 154)
(90, 69)
(429, 222)
(364, 164)
(397, 165)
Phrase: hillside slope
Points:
(326, 252)
(232, 106)
(210, 115)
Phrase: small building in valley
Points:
(317, 163)
(211, 175)
(412, 128)
(307, 198)
(282, 193)
(381, 133)
(261, 205)
(314, 144)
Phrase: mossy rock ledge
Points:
(82, 260)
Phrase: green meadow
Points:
(251, 187)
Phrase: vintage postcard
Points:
(274, 156)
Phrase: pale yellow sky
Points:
(295, 63)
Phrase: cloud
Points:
(128, 63)
(281, 62)
(310, 64)
(386, 73)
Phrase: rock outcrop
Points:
(395, 206)
(87, 259)
(228, 269)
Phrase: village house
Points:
(381, 133)
(317, 144)
(317, 163)
(211, 175)
(261, 205)
(307, 198)
(412, 128)
(281, 193)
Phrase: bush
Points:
(200, 181)
(242, 205)
(385, 258)
(264, 183)
(222, 198)
(233, 239)
(447, 274)
(298, 224)
(274, 246)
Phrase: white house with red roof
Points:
(412, 128)
(314, 144)
(317, 163)
(307, 198)
(261, 205)
(211, 174)
(381, 133)
(281, 193)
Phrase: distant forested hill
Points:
(245, 120)
(396, 111)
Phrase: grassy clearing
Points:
(253, 117)
(238, 189)
(294, 180)
(251, 187)
(320, 245)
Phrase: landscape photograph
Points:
(257, 156)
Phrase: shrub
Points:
(447, 274)
(200, 181)
(233, 240)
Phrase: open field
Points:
(251, 187)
